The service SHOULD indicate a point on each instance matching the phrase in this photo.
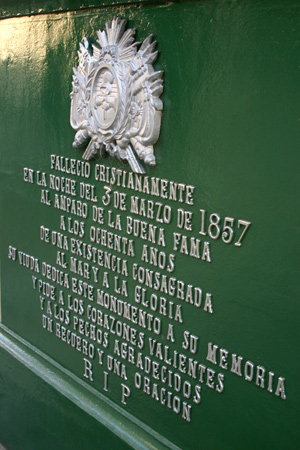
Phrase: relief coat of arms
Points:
(115, 104)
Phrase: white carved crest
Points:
(115, 104)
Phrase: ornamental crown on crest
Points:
(115, 102)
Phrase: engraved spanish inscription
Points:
(113, 293)
(114, 290)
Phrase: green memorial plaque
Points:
(149, 265)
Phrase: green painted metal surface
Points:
(230, 129)
(17, 8)
(34, 415)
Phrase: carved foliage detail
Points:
(115, 104)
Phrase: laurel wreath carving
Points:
(137, 83)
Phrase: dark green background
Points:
(230, 127)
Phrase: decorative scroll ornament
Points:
(115, 102)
